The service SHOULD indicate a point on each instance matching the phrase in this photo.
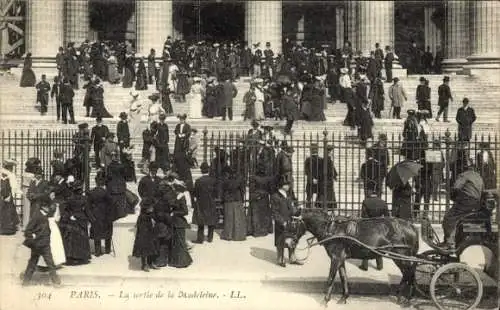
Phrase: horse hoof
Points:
(342, 301)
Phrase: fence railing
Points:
(442, 160)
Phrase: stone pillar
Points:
(457, 36)
(45, 30)
(433, 35)
(154, 25)
(376, 25)
(263, 23)
(339, 27)
(76, 21)
(485, 36)
(352, 23)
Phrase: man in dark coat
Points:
(290, 110)
(313, 167)
(37, 234)
(42, 94)
(117, 186)
(37, 191)
(373, 206)
(205, 213)
(123, 134)
(465, 118)
(285, 234)
(326, 182)
(228, 92)
(161, 144)
(67, 95)
(410, 136)
(101, 208)
(56, 92)
(381, 154)
(239, 159)
(149, 184)
(370, 174)
(444, 97)
(284, 167)
(98, 136)
(389, 58)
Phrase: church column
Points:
(433, 34)
(154, 25)
(339, 26)
(45, 30)
(457, 36)
(352, 23)
(375, 24)
(485, 36)
(263, 23)
(76, 21)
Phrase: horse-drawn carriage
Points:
(436, 273)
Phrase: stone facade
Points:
(470, 40)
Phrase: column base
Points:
(484, 66)
(45, 65)
(454, 65)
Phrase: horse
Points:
(343, 239)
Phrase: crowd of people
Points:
(60, 220)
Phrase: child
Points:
(146, 243)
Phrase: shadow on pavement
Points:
(263, 254)
(134, 263)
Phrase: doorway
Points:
(112, 20)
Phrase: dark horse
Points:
(391, 234)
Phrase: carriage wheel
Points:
(425, 271)
(449, 291)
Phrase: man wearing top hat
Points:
(123, 132)
(444, 98)
(42, 94)
(326, 181)
(67, 94)
(388, 60)
(465, 118)
(37, 190)
(257, 55)
(246, 60)
(98, 135)
(313, 167)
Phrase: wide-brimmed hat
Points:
(343, 70)
(422, 79)
(211, 79)
(197, 79)
(216, 44)
(154, 97)
(411, 112)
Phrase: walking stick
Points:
(113, 248)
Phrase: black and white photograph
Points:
(249, 154)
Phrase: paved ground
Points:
(221, 268)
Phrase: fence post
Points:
(85, 140)
(205, 144)
(325, 170)
(447, 142)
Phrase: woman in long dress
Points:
(28, 78)
(113, 75)
(141, 81)
(135, 113)
(179, 253)
(195, 99)
(259, 100)
(182, 88)
(155, 109)
(56, 242)
(129, 75)
(98, 108)
(234, 214)
(8, 215)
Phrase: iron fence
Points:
(431, 190)
(443, 158)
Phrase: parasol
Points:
(401, 173)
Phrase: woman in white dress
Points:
(195, 99)
(56, 243)
(259, 100)
(136, 111)
(155, 109)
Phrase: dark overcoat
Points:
(99, 202)
(465, 118)
(205, 212)
(283, 210)
(146, 241)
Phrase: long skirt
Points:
(56, 245)
(259, 110)
(235, 227)
(100, 110)
(8, 218)
(259, 221)
(76, 241)
(163, 252)
(26, 206)
(113, 75)
(28, 78)
(179, 254)
(128, 78)
(195, 106)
